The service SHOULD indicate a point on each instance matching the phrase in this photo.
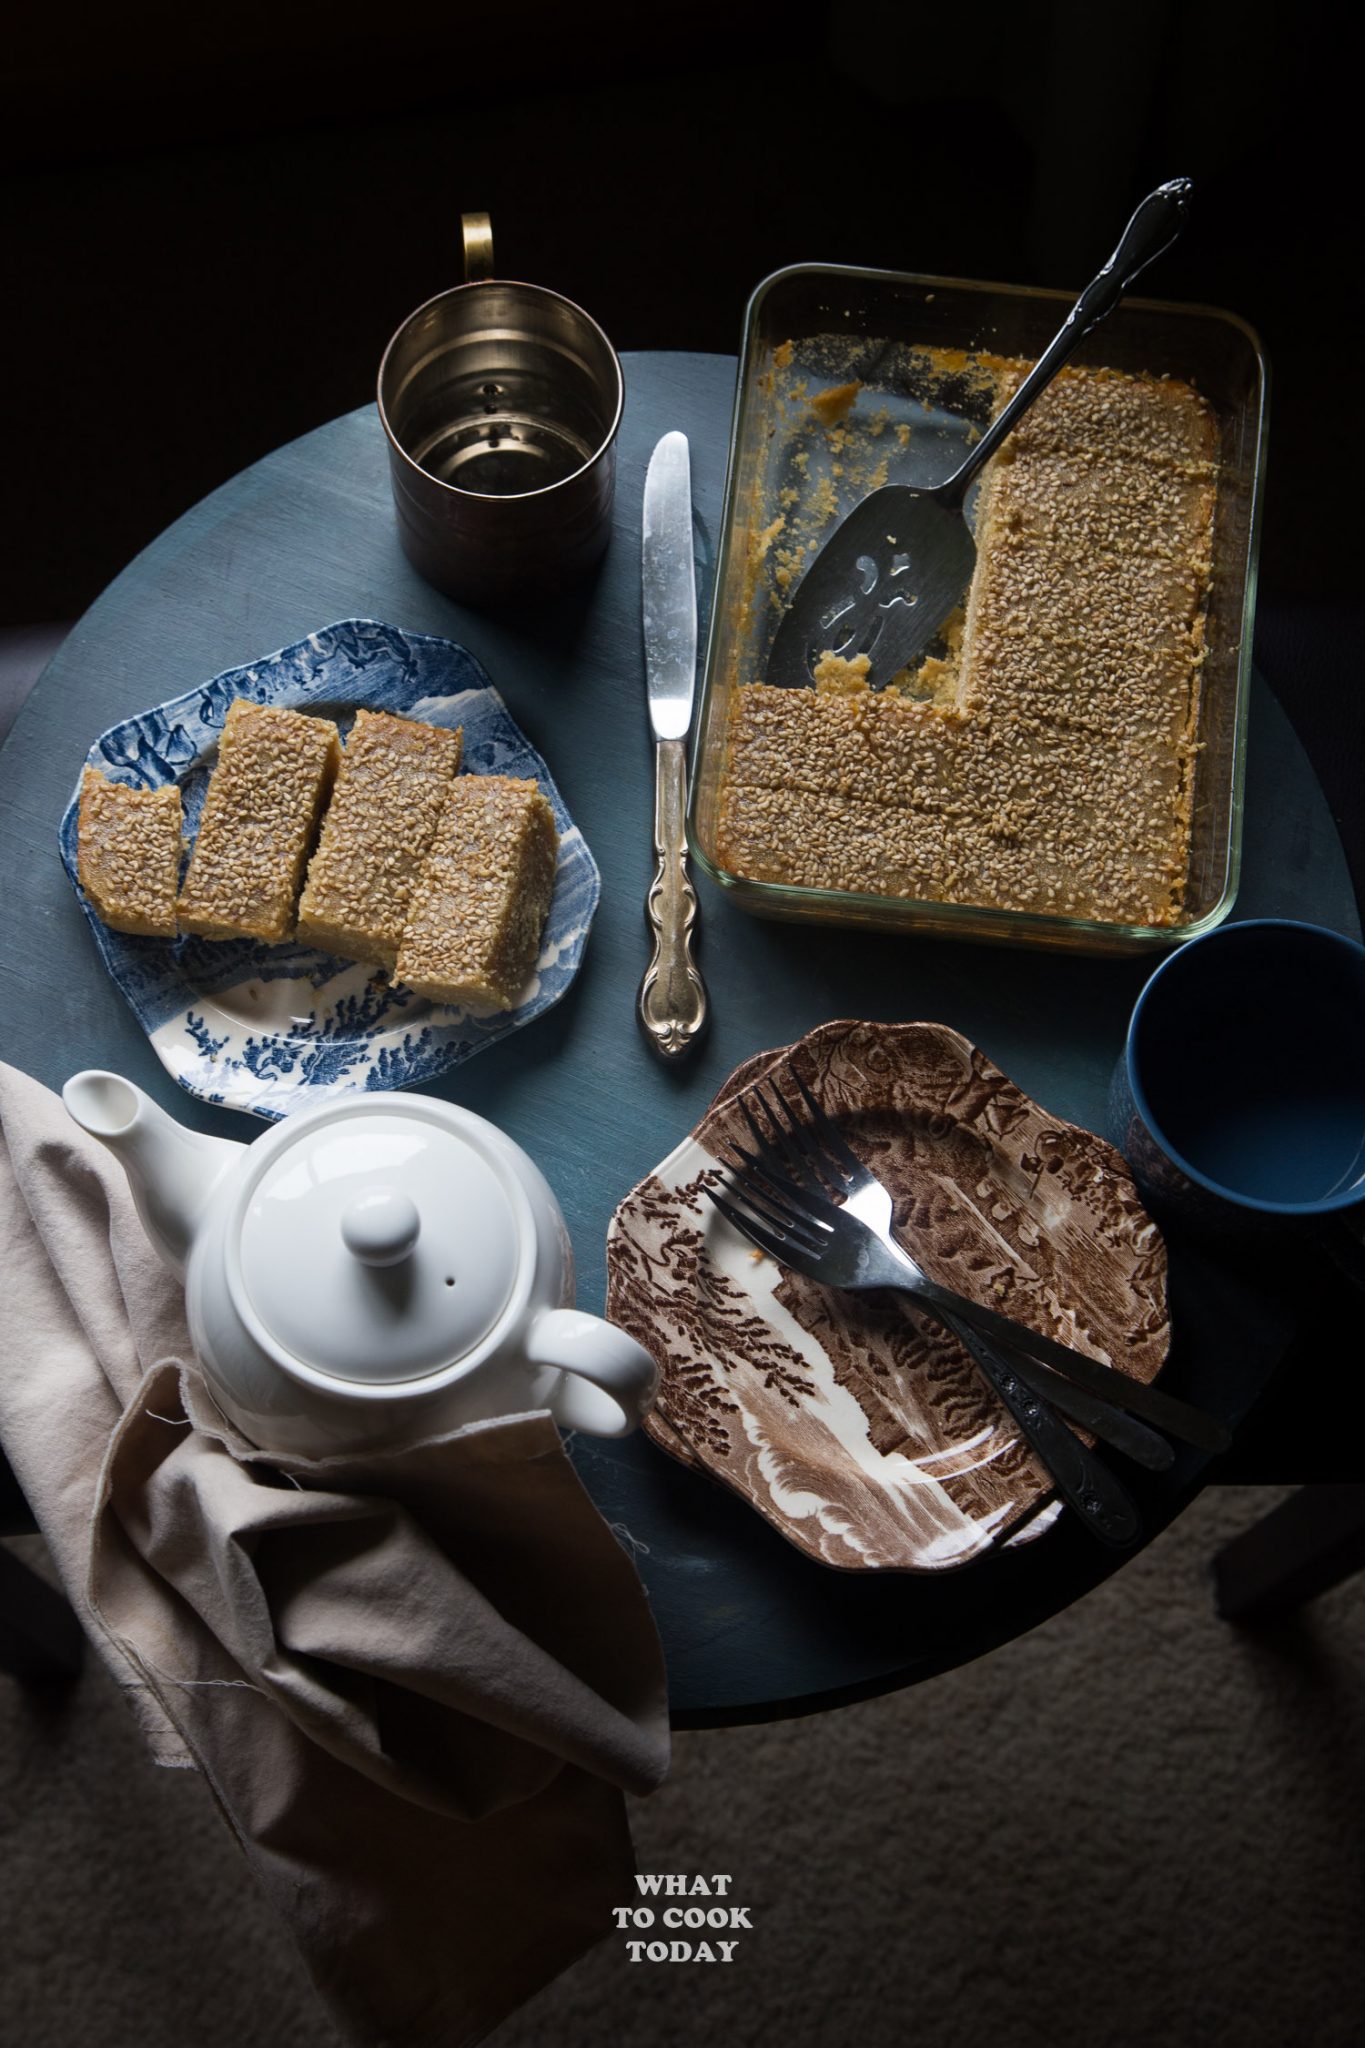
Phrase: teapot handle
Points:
(609, 1379)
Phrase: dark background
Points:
(215, 225)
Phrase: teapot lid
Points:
(380, 1246)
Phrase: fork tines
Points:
(778, 1194)
(818, 1156)
(832, 1137)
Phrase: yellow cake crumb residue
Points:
(835, 404)
(839, 675)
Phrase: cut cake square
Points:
(479, 908)
(275, 770)
(128, 849)
(394, 779)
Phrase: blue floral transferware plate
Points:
(277, 1028)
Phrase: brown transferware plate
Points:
(856, 1424)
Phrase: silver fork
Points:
(770, 1217)
(857, 1250)
(821, 1158)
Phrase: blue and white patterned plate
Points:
(277, 1028)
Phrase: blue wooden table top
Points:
(306, 536)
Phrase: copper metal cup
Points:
(501, 404)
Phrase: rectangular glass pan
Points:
(877, 317)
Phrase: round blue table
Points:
(750, 1627)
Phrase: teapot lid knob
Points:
(381, 1226)
(381, 1240)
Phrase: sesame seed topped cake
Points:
(1050, 768)
(477, 913)
(129, 848)
(393, 782)
(261, 810)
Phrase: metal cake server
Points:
(672, 1001)
(893, 570)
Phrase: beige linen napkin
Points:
(416, 1683)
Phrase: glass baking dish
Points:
(860, 323)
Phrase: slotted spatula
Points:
(893, 570)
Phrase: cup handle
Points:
(477, 230)
(609, 1379)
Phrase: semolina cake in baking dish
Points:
(1044, 763)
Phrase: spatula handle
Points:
(1152, 229)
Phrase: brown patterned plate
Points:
(854, 1423)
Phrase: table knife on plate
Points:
(672, 1003)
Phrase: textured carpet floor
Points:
(1135, 1826)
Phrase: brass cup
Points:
(501, 404)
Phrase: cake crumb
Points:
(837, 675)
(836, 403)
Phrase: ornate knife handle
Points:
(672, 994)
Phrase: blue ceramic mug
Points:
(1240, 1096)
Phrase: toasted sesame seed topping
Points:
(393, 782)
(479, 907)
(274, 771)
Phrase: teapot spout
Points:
(171, 1171)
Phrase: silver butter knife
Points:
(672, 1000)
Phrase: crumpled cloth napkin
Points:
(417, 1683)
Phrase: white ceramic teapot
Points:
(369, 1273)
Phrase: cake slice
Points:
(479, 908)
(128, 854)
(394, 779)
(274, 772)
